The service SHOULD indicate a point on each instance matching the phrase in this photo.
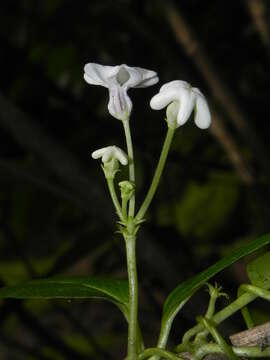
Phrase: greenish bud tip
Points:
(215, 291)
(127, 189)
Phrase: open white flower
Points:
(110, 153)
(118, 79)
(183, 99)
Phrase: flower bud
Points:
(111, 156)
(127, 189)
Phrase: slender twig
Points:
(131, 166)
(219, 339)
(258, 13)
(224, 137)
(115, 201)
(223, 314)
(157, 175)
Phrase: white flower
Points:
(118, 79)
(110, 153)
(183, 98)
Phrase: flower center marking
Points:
(122, 76)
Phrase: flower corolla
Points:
(110, 153)
(182, 99)
(118, 79)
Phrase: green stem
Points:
(206, 349)
(157, 175)
(124, 208)
(159, 352)
(133, 297)
(131, 211)
(227, 349)
(166, 328)
(116, 203)
(228, 311)
(263, 293)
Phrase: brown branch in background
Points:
(187, 39)
(188, 356)
(257, 10)
(258, 335)
(241, 166)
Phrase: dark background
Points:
(55, 213)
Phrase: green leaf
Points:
(259, 271)
(178, 297)
(113, 290)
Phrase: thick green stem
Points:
(133, 297)
(157, 175)
(116, 203)
(131, 211)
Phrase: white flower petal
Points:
(120, 104)
(135, 77)
(162, 99)
(188, 98)
(96, 74)
(177, 85)
(197, 91)
(98, 153)
(108, 154)
(121, 156)
(187, 102)
(148, 77)
(202, 116)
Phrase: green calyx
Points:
(215, 291)
(110, 168)
(129, 227)
(172, 112)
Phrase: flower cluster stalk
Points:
(131, 166)
(157, 175)
(115, 201)
(183, 99)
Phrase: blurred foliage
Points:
(55, 212)
(204, 208)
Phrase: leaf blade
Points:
(112, 290)
(258, 271)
